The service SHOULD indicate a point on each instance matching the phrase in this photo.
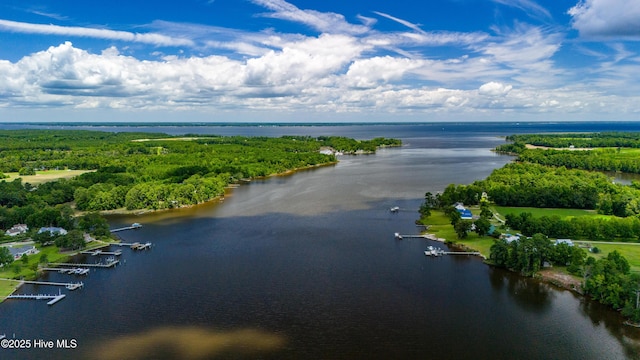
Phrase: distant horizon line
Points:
(284, 123)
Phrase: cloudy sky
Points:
(303, 60)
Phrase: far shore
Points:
(125, 211)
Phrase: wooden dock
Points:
(108, 264)
(420, 236)
(132, 227)
(69, 286)
(52, 298)
(69, 271)
(439, 252)
(476, 253)
(402, 236)
(135, 245)
(100, 252)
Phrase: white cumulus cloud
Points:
(607, 18)
(494, 89)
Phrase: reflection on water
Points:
(600, 315)
(529, 294)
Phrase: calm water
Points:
(306, 266)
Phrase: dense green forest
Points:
(525, 184)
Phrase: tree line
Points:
(580, 140)
(606, 151)
(534, 185)
(582, 227)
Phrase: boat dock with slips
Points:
(69, 286)
(69, 271)
(100, 252)
(135, 245)
(433, 251)
(420, 236)
(52, 298)
(111, 262)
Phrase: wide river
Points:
(306, 267)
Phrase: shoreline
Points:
(220, 198)
(549, 276)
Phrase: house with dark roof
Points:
(18, 252)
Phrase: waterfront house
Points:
(18, 252)
(17, 229)
(53, 230)
(465, 214)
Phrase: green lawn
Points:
(19, 270)
(6, 288)
(630, 252)
(537, 212)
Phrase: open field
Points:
(631, 252)
(537, 212)
(46, 176)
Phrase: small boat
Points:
(394, 209)
(398, 236)
(136, 225)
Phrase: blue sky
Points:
(273, 60)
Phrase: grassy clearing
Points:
(631, 252)
(46, 176)
(538, 212)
